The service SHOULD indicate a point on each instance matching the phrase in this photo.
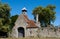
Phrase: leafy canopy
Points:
(46, 14)
(4, 17)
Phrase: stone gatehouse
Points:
(25, 27)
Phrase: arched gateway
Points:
(21, 32)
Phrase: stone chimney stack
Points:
(36, 18)
(37, 22)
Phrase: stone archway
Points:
(21, 32)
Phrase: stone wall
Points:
(31, 32)
(46, 32)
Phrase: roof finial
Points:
(24, 10)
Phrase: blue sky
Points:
(17, 5)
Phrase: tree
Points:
(4, 18)
(46, 15)
(5, 12)
(13, 19)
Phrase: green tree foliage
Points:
(46, 15)
(4, 17)
(13, 19)
(37, 10)
(4, 11)
(6, 22)
(52, 13)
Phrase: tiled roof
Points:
(31, 23)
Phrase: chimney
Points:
(36, 18)
(37, 23)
